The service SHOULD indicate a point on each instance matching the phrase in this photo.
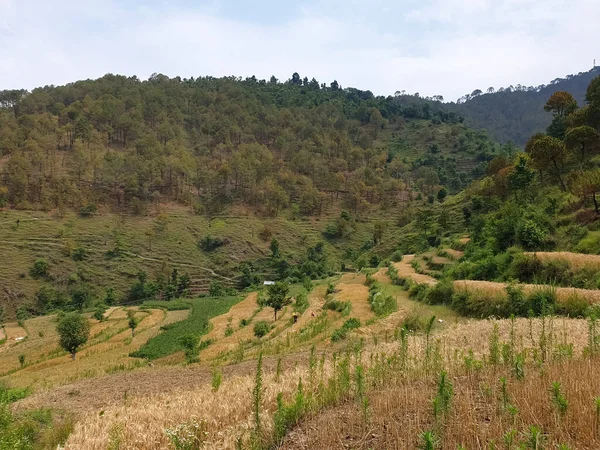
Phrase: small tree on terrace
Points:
(278, 296)
(74, 331)
(133, 322)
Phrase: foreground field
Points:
(373, 389)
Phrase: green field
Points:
(197, 324)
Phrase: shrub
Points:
(542, 301)
(524, 268)
(397, 256)
(440, 294)
(413, 321)
(99, 312)
(78, 254)
(517, 303)
(209, 243)
(531, 235)
(574, 306)
(337, 305)
(330, 289)
(301, 304)
(88, 210)
(590, 244)
(261, 329)
(40, 269)
(216, 289)
(417, 291)
(342, 332)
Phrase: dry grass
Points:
(575, 260)
(14, 331)
(229, 413)
(456, 254)
(491, 288)
(351, 288)
(405, 270)
(400, 414)
(107, 350)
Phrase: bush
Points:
(531, 235)
(542, 301)
(440, 294)
(209, 243)
(417, 291)
(330, 289)
(590, 244)
(339, 306)
(40, 269)
(99, 312)
(524, 268)
(397, 256)
(216, 289)
(78, 254)
(301, 304)
(342, 332)
(517, 303)
(573, 306)
(88, 210)
(261, 329)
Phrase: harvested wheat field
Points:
(405, 270)
(227, 415)
(246, 309)
(575, 260)
(382, 276)
(491, 288)
(454, 254)
(107, 351)
(351, 288)
(14, 332)
(476, 416)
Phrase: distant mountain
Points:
(516, 112)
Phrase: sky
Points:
(434, 47)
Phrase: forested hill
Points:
(211, 142)
(517, 112)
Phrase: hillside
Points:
(105, 179)
(515, 113)
(423, 320)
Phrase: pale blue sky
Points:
(447, 47)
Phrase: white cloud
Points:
(447, 47)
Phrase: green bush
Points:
(531, 235)
(573, 306)
(261, 329)
(79, 254)
(301, 304)
(518, 305)
(542, 301)
(209, 243)
(342, 332)
(590, 244)
(40, 269)
(397, 256)
(88, 210)
(337, 305)
(440, 294)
